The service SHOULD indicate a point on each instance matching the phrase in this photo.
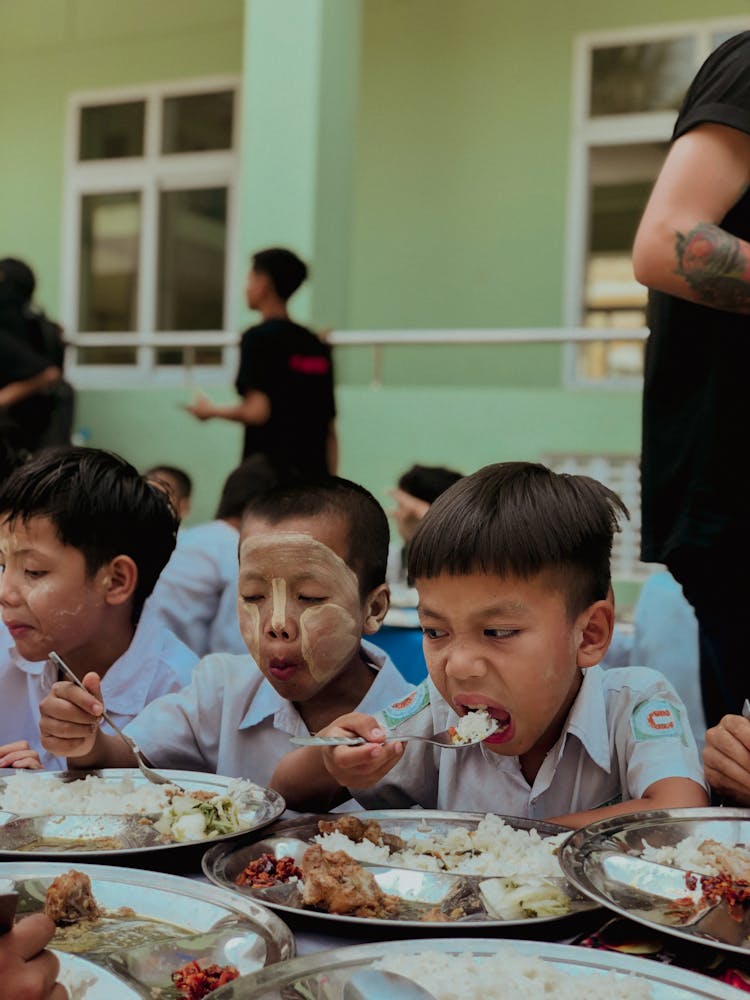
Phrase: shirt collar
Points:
(588, 719)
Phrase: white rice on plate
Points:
(26, 794)
(493, 848)
(509, 974)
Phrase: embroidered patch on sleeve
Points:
(407, 708)
(655, 718)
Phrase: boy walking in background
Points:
(83, 538)
(285, 377)
(311, 584)
(512, 567)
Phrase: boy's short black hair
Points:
(98, 504)
(284, 268)
(520, 519)
(17, 281)
(427, 482)
(182, 479)
(254, 476)
(368, 534)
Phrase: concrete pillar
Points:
(298, 118)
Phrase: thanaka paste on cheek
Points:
(329, 633)
(250, 628)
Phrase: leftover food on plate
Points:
(69, 899)
(335, 883)
(268, 870)
(194, 982)
(512, 898)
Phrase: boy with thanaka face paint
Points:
(511, 565)
(83, 538)
(311, 584)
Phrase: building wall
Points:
(458, 220)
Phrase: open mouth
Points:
(501, 717)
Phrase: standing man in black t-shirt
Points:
(285, 377)
(692, 251)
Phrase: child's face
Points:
(48, 602)
(299, 607)
(505, 643)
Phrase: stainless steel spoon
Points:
(374, 984)
(443, 739)
(153, 776)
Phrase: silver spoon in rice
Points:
(375, 984)
(153, 776)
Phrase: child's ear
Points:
(120, 579)
(596, 625)
(376, 607)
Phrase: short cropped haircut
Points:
(521, 519)
(98, 504)
(254, 476)
(181, 479)
(367, 524)
(284, 268)
(427, 482)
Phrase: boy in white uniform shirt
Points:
(83, 538)
(196, 594)
(512, 569)
(311, 583)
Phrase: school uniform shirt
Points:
(231, 720)
(196, 593)
(155, 663)
(626, 729)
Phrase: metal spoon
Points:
(443, 739)
(373, 984)
(153, 776)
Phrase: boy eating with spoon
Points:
(311, 585)
(512, 568)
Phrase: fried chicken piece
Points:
(336, 883)
(70, 899)
(352, 827)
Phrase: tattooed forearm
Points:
(716, 265)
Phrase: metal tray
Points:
(217, 928)
(18, 831)
(323, 975)
(592, 858)
(223, 863)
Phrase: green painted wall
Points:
(456, 214)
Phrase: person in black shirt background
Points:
(692, 250)
(285, 377)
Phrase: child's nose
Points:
(464, 660)
(282, 627)
(8, 591)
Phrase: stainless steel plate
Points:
(593, 860)
(202, 922)
(224, 862)
(323, 975)
(91, 837)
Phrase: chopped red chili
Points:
(268, 870)
(195, 982)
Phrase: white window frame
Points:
(613, 130)
(150, 174)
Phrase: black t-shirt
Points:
(29, 417)
(294, 369)
(695, 440)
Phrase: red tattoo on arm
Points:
(716, 265)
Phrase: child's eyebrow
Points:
(503, 608)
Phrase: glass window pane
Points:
(197, 122)
(106, 356)
(648, 77)
(110, 131)
(108, 287)
(192, 250)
